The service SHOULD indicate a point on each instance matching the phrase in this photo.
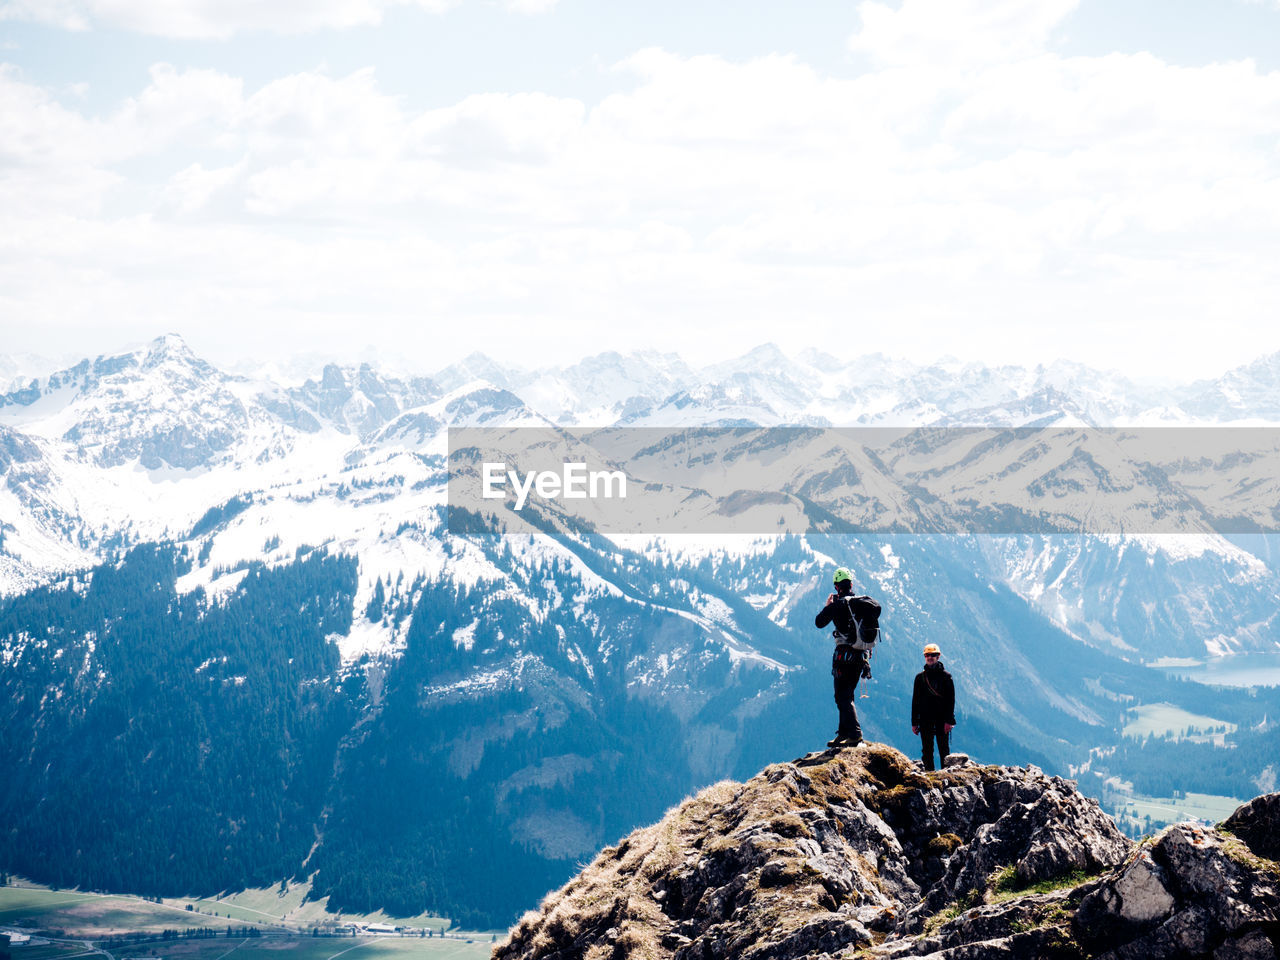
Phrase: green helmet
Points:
(841, 574)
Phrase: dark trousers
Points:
(846, 670)
(930, 731)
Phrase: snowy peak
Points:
(169, 348)
(1250, 392)
(765, 358)
(597, 389)
(646, 372)
(481, 404)
(738, 403)
(160, 405)
(475, 366)
(86, 376)
(1046, 407)
(359, 400)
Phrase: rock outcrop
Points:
(857, 853)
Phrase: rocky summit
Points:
(858, 853)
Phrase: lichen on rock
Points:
(856, 853)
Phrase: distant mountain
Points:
(597, 390)
(1250, 392)
(244, 611)
(192, 416)
(357, 401)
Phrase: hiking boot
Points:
(843, 740)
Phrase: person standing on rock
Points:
(856, 625)
(933, 707)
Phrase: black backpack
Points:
(864, 613)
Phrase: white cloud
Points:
(313, 114)
(195, 188)
(188, 107)
(53, 160)
(930, 32)
(531, 6)
(493, 127)
(34, 127)
(1019, 203)
(219, 19)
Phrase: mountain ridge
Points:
(147, 441)
(813, 381)
(857, 853)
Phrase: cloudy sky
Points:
(1009, 180)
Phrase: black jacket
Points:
(839, 614)
(934, 698)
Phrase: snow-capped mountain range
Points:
(139, 445)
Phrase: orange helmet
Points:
(932, 648)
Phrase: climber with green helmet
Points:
(856, 626)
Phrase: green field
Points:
(277, 947)
(1206, 807)
(308, 948)
(74, 918)
(1160, 719)
(20, 900)
(287, 906)
(91, 914)
(50, 951)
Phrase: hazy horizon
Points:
(300, 365)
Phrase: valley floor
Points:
(1137, 815)
(64, 924)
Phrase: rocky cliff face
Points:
(859, 854)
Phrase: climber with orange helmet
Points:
(933, 707)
